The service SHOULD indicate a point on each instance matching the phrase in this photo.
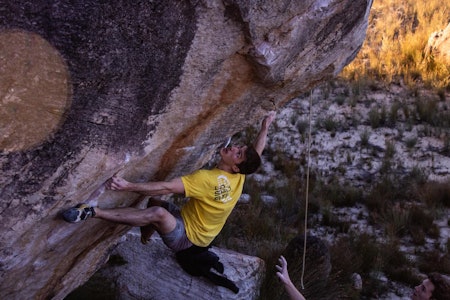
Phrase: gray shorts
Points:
(177, 239)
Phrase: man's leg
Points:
(148, 230)
(163, 221)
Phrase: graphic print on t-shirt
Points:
(222, 192)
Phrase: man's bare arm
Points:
(153, 188)
(283, 275)
(261, 139)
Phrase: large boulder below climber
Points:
(145, 89)
(137, 271)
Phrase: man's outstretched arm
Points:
(153, 188)
(260, 141)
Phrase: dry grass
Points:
(395, 47)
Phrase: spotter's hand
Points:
(283, 273)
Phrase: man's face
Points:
(423, 291)
(233, 155)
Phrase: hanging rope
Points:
(307, 189)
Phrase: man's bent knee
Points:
(163, 220)
(158, 213)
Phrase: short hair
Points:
(441, 286)
(252, 161)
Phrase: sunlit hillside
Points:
(395, 47)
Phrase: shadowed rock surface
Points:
(151, 272)
(144, 89)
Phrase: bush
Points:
(396, 220)
(341, 195)
(436, 194)
(382, 195)
(390, 150)
(329, 124)
(434, 261)
(365, 136)
(396, 265)
(426, 111)
(393, 114)
(375, 117)
(411, 142)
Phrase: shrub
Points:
(390, 150)
(355, 253)
(340, 99)
(426, 110)
(396, 265)
(341, 195)
(395, 220)
(386, 166)
(393, 113)
(434, 261)
(302, 126)
(382, 195)
(365, 136)
(287, 165)
(375, 117)
(329, 124)
(436, 194)
(411, 142)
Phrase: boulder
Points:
(439, 45)
(137, 271)
(145, 89)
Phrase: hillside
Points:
(379, 164)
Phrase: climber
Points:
(212, 196)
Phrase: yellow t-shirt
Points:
(213, 195)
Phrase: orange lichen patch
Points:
(34, 90)
(240, 77)
(230, 86)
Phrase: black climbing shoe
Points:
(78, 213)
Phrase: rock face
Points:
(144, 89)
(151, 272)
(439, 44)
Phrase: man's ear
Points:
(235, 169)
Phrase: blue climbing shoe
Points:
(78, 213)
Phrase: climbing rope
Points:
(307, 189)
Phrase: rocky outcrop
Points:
(144, 89)
(151, 272)
(439, 45)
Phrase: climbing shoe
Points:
(78, 213)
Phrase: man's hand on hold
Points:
(268, 119)
(116, 183)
